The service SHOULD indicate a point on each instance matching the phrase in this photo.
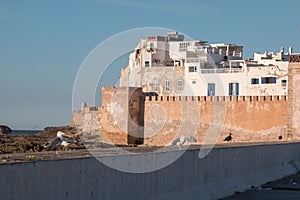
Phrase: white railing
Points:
(222, 70)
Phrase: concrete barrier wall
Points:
(221, 173)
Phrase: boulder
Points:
(4, 129)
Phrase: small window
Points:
(268, 80)
(193, 69)
(254, 81)
(183, 46)
(211, 89)
(147, 63)
(155, 85)
(179, 85)
(194, 82)
(233, 89)
(283, 82)
(167, 86)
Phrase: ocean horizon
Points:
(25, 131)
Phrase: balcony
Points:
(221, 70)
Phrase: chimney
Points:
(290, 50)
(83, 106)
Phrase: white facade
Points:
(172, 66)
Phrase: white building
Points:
(172, 66)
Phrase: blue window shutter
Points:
(237, 89)
(263, 80)
(230, 89)
(273, 79)
(208, 90)
(211, 89)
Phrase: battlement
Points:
(249, 118)
(294, 58)
(214, 98)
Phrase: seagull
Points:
(56, 141)
(228, 138)
(180, 142)
(66, 142)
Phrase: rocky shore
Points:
(18, 143)
(4, 129)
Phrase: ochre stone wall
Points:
(110, 131)
(249, 119)
(294, 98)
(121, 113)
(160, 120)
(98, 125)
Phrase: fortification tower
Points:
(293, 128)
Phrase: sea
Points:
(25, 131)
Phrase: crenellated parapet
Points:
(213, 98)
(294, 58)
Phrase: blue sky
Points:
(43, 43)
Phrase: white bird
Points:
(66, 142)
(181, 142)
(56, 141)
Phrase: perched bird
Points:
(66, 141)
(180, 142)
(228, 138)
(56, 141)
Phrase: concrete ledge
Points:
(220, 174)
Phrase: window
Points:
(254, 81)
(192, 69)
(211, 89)
(233, 89)
(167, 86)
(179, 85)
(194, 82)
(268, 80)
(237, 89)
(183, 46)
(230, 89)
(146, 63)
(283, 82)
(155, 85)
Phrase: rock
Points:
(4, 129)
(52, 131)
(71, 133)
